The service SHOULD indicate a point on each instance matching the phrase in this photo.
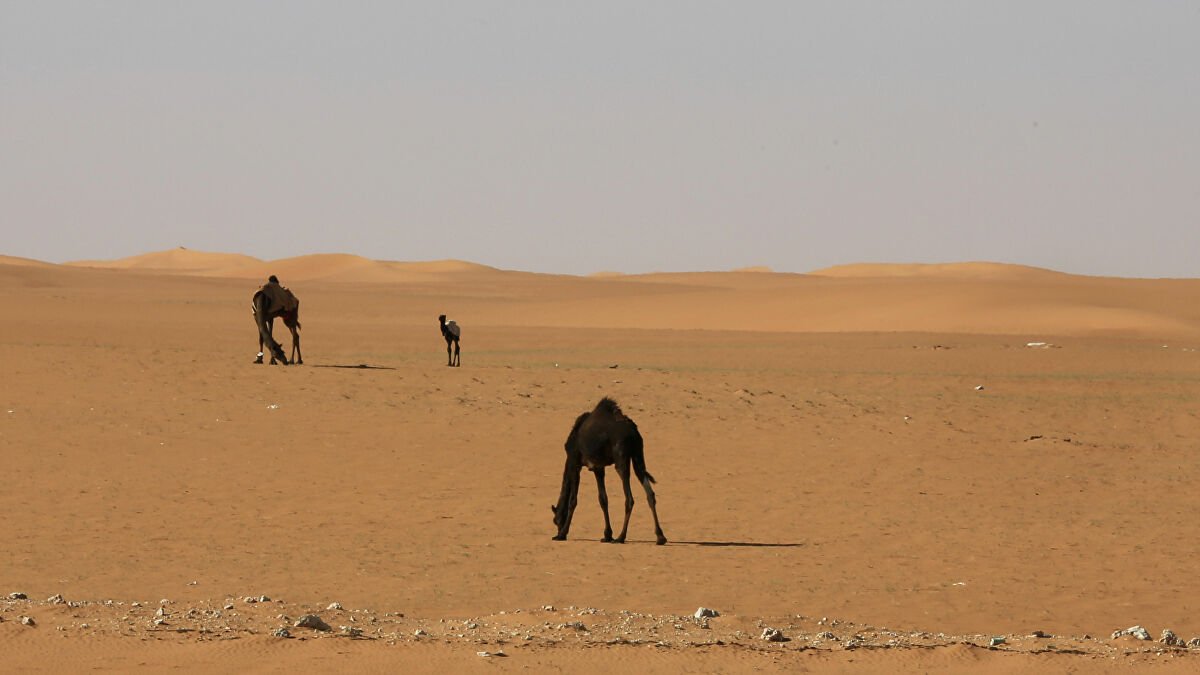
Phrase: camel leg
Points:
(457, 360)
(264, 329)
(449, 354)
(660, 538)
(603, 502)
(567, 499)
(623, 471)
(297, 357)
(260, 351)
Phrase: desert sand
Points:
(892, 465)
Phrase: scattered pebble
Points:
(772, 635)
(313, 621)
(1133, 631)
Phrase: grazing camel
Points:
(599, 438)
(270, 302)
(451, 332)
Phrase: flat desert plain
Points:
(898, 468)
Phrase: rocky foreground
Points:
(543, 627)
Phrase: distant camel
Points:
(270, 302)
(599, 438)
(451, 332)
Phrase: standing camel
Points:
(451, 332)
(599, 438)
(270, 302)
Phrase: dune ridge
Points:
(976, 297)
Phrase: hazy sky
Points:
(576, 137)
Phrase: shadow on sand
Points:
(361, 366)
(747, 544)
(753, 544)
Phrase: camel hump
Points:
(609, 406)
(452, 326)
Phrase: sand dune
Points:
(826, 464)
(981, 298)
(177, 260)
(972, 270)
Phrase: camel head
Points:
(441, 318)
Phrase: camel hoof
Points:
(559, 537)
(258, 360)
(661, 541)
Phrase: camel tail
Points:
(639, 464)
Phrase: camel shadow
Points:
(361, 366)
(750, 544)
(744, 544)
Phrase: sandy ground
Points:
(871, 460)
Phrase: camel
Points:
(270, 302)
(599, 438)
(451, 332)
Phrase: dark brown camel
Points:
(270, 302)
(599, 438)
(451, 332)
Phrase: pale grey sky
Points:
(576, 137)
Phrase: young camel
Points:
(270, 302)
(451, 332)
(599, 438)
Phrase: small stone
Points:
(312, 621)
(1133, 631)
(996, 641)
(334, 606)
(1194, 643)
(1170, 639)
(419, 633)
(27, 621)
(17, 596)
(548, 608)
(228, 606)
(263, 598)
(490, 654)
(1040, 634)
(56, 599)
(282, 632)
(773, 635)
(704, 612)
(85, 625)
(135, 604)
(249, 601)
(351, 631)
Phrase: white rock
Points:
(1134, 631)
(1170, 638)
(312, 621)
(334, 606)
(772, 635)
(706, 612)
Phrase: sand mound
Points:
(23, 262)
(975, 270)
(179, 260)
